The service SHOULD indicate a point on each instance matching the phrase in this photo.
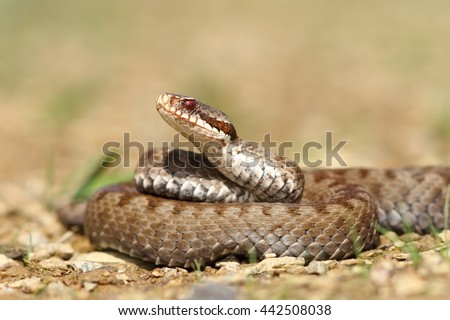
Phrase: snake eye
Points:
(190, 104)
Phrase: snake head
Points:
(195, 120)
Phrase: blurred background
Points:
(76, 74)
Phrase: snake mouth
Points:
(182, 111)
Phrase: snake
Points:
(237, 198)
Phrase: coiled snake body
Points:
(234, 198)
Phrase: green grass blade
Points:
(447, 199)
(99, 176)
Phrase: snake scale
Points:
(234, 198)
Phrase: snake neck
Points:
(269, 177)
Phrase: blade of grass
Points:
(446, 208)
(98, 177)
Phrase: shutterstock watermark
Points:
(119, 153)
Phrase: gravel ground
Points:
(43, 260)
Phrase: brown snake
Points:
(235, 198)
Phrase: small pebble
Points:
(158, 273)
(349, 262)
(168, 272)
(332, 264)
(445, 236)
(6, 262)
(15, 253)
(45, 251)
(399, 244)
(121, 269)
(106, 273)
(402, 256)
(85, 266)
(123, 277)
(409, 237)
(101, 257)
(53, 264)
(174, 272)
(66, 236)
(276, 264)
(389, 237)
(64, 251)
(317, 267)
(89, 286)
(228, 267)
(144, 276)
(40, 254)
(373, 253)
(28, 285)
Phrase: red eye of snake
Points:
(190, 104)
